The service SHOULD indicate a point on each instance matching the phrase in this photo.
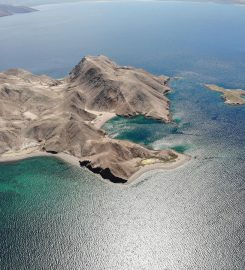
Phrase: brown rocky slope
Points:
(55, 115)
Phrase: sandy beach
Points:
(34, 152)
(101, 119)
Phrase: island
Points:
(231, 96)
(7, 10)
(40, 115)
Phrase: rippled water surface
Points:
(57, 216)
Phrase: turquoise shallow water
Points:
(56, 216)
(146, 131)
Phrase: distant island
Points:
(46, 2)
(10, 7)
(231, 96)
(7, 10)
(43, 116)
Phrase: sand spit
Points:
(231, 96)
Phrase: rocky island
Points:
(7, 10)
(231, 96)
(40, 115)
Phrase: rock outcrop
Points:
(105, 86)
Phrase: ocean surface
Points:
(57, 216)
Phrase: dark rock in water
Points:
(104, 173)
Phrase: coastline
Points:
(72, 160)
(22, 156)
(180, 161)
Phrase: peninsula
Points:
(40, 115)
(7, 10)
(231, 96)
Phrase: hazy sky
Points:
(38, 2)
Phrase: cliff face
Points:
(55, 115)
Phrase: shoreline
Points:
(180, 161)
(15, 157)
(22, 156)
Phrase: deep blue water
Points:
(191, 39)
(55, 216)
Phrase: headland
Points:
(40, 115)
